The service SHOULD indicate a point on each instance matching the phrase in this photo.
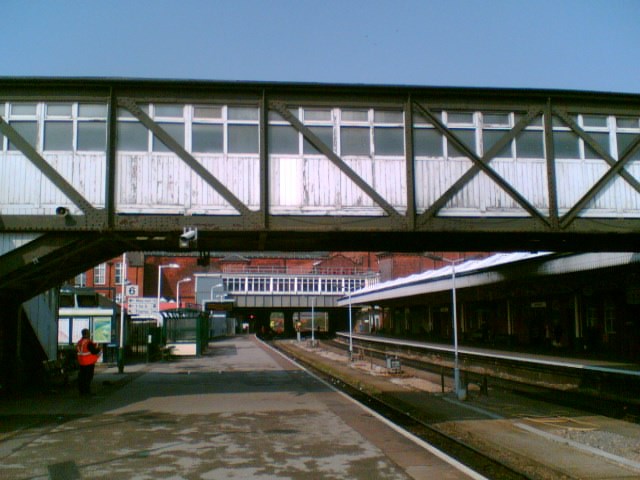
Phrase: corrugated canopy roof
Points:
(485, 271)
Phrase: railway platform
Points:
(563, 361)
(538, 438)
(591, 379)
(241, 411)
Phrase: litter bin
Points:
(110, 354)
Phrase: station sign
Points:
(142, 306)
(218, 306)
(132, 290)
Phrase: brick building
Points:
(143, 269)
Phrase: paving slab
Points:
(240, 411)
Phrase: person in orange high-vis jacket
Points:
(88, 354)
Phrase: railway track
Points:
(589, 397)
(393, 410)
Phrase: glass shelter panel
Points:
(388, 141)
(565, 145)
(625, 140)
(601, 139)
(427, 142)
(58, 136)
(283, 139)
(354, 140)
(325, 134)
(530, 144)
(243, 139)
(27, 130)
(467, 138)
(207, 138)
(175, 131)
(92, 136)
(132, 137)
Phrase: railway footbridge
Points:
(90, 168)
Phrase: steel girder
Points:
(52, 259)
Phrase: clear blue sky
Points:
(557, 44)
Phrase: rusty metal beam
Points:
(552, 185)
(35, 258)
(409, 163)
(52, 259)
(44, 223)
(175, 222)
(111, 165)
(264, 160)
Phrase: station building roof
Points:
(486, 271)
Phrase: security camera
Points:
(62, 211)
(188, 235)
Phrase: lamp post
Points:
(123, 278)
(456, 368)
(350, 328)
(184, 280)
(160, 267)
(313, 322)
(214, 287)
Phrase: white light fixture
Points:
(188, 279)
(160, 267)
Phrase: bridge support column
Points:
(11, 373)
(289, 329)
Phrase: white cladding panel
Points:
(85, 172)
(154, 182)
(482, 195)
(24, 190)
(151, 183)
(315, 185)
(618, 198)
(20, 184)
(161, 183)
(239, 173)
(529, 178)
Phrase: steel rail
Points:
(455, 448)
(588, 400)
